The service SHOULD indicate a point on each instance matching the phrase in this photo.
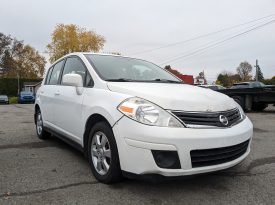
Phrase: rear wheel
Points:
(40, 131)
(259, 106)
(239, 100)
(103, 154)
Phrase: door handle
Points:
(57, 93)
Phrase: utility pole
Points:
(257, 71)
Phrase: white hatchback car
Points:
(130, 116)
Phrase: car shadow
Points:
(63, 145)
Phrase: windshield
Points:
(240, 86)
(25, 93)
(117, 68)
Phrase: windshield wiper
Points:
(167, 81)
(119, 80)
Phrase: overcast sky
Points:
(131, 27)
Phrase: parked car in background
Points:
(213, 87)
(4, 99)
(26, 97)
(248, 85)
(131, 117)
(252, 95)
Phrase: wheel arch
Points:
(91, 121)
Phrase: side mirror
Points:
(73, 80)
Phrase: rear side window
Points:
(74, 65)
(55, 73)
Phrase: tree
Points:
(19, 59)
(227, 79)
(269, 81)
(5, 41)
(244, 70)
(174, 71)
(72, 38)
(260, 75)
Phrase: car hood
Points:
(3, 97)
(176, 96)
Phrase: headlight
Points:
(148, 113)
(241, 112)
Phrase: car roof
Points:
(86, 53)
(92, 53)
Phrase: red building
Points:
(186, 78)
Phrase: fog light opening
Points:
(166, 159)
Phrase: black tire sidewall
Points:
(239, 100)
(114, 172)
(43, 134)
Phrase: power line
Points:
(212, 42)
(217, 43)
(202, 36)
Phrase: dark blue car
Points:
(26, 97)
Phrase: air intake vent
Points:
(209, 157)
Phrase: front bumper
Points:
(4, 101)
(135, 142)
(23, 100)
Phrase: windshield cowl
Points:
(144, 81)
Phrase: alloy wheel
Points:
(101, 153)
(39, 123)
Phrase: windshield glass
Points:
(240, 86)
(25, 93)
(117, 68)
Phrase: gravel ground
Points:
(50, 172)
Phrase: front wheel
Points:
(40, 131)
(103, 154)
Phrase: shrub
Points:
(13, 100)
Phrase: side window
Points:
(74, 65)
(55, 73)
(48, 76)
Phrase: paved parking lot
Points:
(50, 172)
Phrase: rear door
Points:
(68, 104)
(48, 92)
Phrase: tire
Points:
(40, 131)
(239, 100)
(104, 159)
(259, 106)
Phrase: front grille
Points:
(209, 118)
(27, 97)
(209, 157)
